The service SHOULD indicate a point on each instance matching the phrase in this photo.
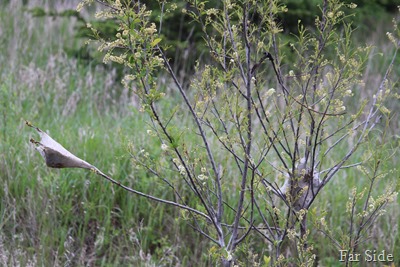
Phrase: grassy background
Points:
(72, 217)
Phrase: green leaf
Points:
(267, 260)
(155, 42)
(37, 12)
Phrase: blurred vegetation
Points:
(185, 36)
(368, 12)
(71, 217)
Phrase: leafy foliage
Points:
(70, 217)
(300, 127)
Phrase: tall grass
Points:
(58, 217)
(71, 217)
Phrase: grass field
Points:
(72, 217)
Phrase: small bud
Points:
(270, 92)
(164, 147)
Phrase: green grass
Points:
(72, 217)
